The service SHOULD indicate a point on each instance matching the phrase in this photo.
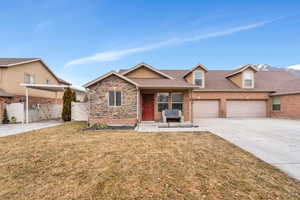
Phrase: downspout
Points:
(89, 106)
(191, 105)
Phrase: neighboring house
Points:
(14, 71)
(142, 92)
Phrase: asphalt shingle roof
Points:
(215, 80)
(10, 61)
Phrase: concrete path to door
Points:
(12, 129)
(276, 141)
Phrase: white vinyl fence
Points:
(36, 112)
(16, 110)
(79, 111)
(40, 112)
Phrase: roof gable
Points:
(107, 75)
(241, 69)
(12, 62)
(141, 65)
(194, 68)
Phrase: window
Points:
(48, 81)
(276, 103)
(114, 98)
(198, 78)
(177, 101)
(248, 79)
(162, 100)
(29, 79)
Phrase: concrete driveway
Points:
(276, 141)
(12, 129)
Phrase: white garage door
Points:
(246, 109)
(205, 109)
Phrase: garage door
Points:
(205, 109)
(246, 109)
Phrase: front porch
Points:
(153, 101)
(150, 126)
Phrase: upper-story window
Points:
(198, 78)
(248, 80)
(29, 79)
(48, 81)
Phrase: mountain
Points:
(264, 67)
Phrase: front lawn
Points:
(63, 163)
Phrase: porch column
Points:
(27, 105)
(137, 105)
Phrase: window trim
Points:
(177, 102)
(115, 97)
(162, 102)
(30, 76)
(274, 110)
(252, 79)
(202, 78)
(48, 81)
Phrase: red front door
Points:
(148, 107)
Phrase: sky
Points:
(81, 40)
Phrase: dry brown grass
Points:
(62, 163)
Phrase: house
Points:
(142, 92)
(14, 71)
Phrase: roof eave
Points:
(233, 90)
(107, 75)
(241, 70)
(198, 65)
(285, 93)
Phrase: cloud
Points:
(42, 26)
(118, 54)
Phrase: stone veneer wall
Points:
(100, 112)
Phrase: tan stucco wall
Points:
(12, 77)
(190, 77)
(143, 72)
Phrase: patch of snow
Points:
(295, 67)
(262, 67)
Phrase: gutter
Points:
(242, 91)
(284, 93)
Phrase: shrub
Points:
(67, 100)
(13, 119)
(99, 126)
(74, 96)
(5, 117)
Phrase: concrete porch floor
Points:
(151, 126)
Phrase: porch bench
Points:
(172, 114)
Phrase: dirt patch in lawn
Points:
(63, 163)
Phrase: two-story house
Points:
(14, 71)
(142, 92)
